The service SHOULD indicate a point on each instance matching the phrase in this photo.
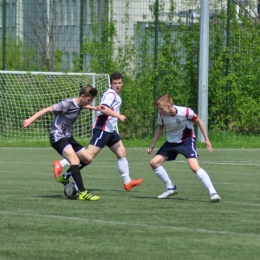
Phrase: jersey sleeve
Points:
(191, 115)
(61, 107)
(109, 99)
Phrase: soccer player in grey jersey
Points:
(178, 123)
(105, 134)
(66, 113)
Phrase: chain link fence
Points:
(155, 44)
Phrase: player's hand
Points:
(209, 147)
(150, 149)
(122, 118)
(100, 107)
(26, 123)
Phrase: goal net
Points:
(25, 93)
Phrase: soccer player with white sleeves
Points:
(178, 122)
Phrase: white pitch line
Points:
(108, 222)
(175, 180)
(112, 164)
(116, 177)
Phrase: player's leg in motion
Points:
(160, 172)
(58, 165)
(122, 165)
(64, 178)
(74, 160)
(204, 178)
(92, 152)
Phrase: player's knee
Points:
(121, 155)
(88, 159)
(194, 169)
(154, 164)
(74, 161)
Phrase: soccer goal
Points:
(24, 93)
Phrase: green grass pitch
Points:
(38, 222)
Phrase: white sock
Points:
(204, 178)
(64, 163)
(163, 176)
(122, 166)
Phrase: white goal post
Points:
(24, 93)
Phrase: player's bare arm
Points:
(96, 108)
(108, 112)
(37, 115)
(157, 135)
(204, 132)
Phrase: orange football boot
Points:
(132, 184)
(57, 168)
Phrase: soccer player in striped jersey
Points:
(66, 113)
(105, 134)
(178, 123)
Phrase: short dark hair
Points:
(116, 75)
(88, 90)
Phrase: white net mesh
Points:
(25, 93)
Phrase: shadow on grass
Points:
(62, 196)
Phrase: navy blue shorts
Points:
(64, 142)
(101, 138)
(171, 150)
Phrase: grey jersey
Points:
(65, 113)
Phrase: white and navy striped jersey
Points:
(65, 113)
(112, 100)
(180, 126)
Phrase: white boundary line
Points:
(113, 164)
(104, 222)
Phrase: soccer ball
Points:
(70, 191)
